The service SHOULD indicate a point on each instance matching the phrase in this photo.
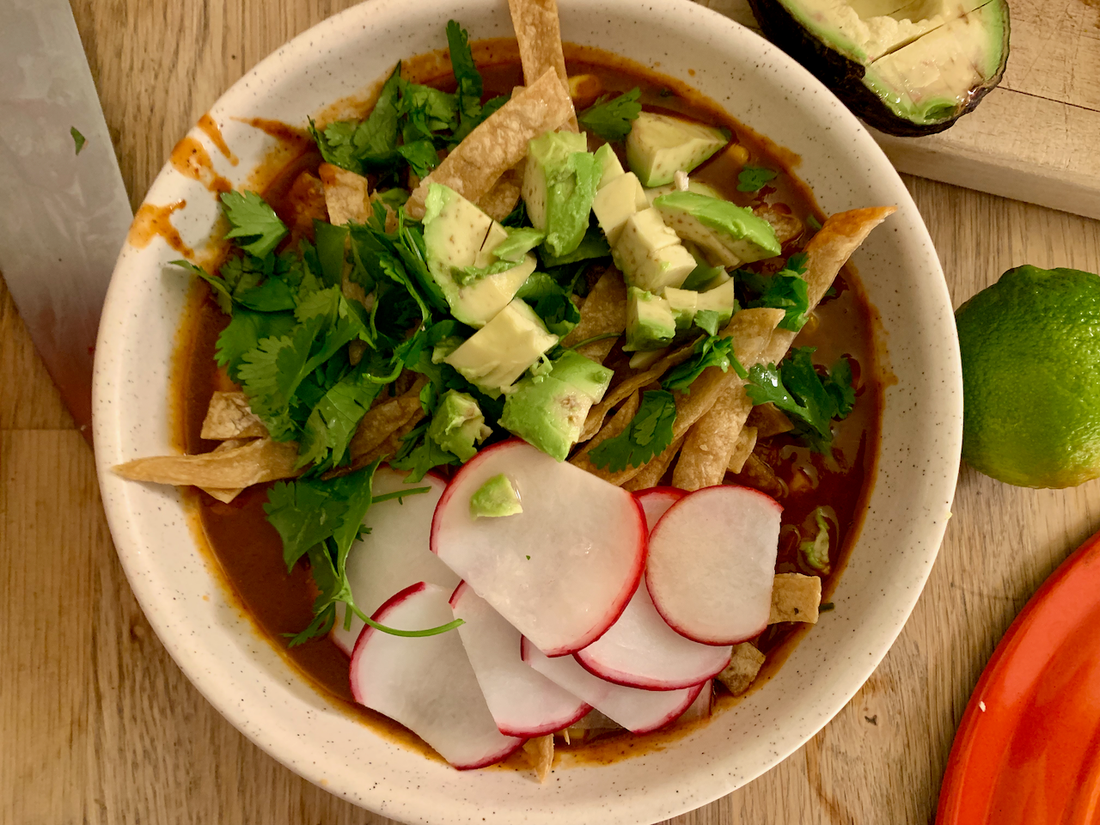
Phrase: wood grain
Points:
(97, 725)
(1036, 137)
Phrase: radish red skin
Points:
(640, 650)
(576, 552)
(718, 592)
(523, 702)
(423, 692)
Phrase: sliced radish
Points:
(522, 701)
(640, 650)
(426, 683)
(639, 711)
(655, 502)
(395, 553)
(562, 570)
(712, 562)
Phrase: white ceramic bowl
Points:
(239, 671)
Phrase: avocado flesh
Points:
(907, 67)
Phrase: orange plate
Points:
(1033, 754)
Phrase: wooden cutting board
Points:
(1034, 138)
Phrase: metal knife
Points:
(64, 214)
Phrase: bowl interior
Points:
(239, 671)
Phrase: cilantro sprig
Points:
(753, 178)
(710, 351)
(646, 437)
(612, 118)
(786, 290)
(250, 217)
(810, 400)
(321, 520)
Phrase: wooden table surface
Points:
(97, 724)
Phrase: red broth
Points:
(248, 549)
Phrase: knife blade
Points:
(63, 214)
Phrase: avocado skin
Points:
(844, 76)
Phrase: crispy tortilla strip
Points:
(222, 494)
(592, 725)
(230, 416)
(769, 420)
(346, 194)
(795, 598)
(390, 445)
(540, 753)
(252, 463)
(380, 422)
(787, 227)
(826, 254)
(538, 32)
(758, 474)
(651, 474)
(499, 201)
(744, 665)
(628, 385)
(618, 423)
(710, 443)
(498, 143)
(603, 312)
(746, 443)
(750, 329)
(304, 203)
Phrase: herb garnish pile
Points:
(312, 360)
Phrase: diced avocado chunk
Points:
(698, 187)
(682, 302)
(718, 299)
(650, 254)
(458, 235)
(499, 353)
(496, 498)
(610, 167)
(650, 323)
(732, 234)
(458, 424)
(616, 202)
(559, 184)
(704, 275)
(549, 411)
(658, 146)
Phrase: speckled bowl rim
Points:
(239, 671)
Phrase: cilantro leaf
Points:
(593, 245)
(647, 435)
(244, 333)
(798, 390)
(370, 144)
(78, 139)
(419, 454)
(271, 372)
(612, 119)
(470, 86)
(421, 156)
(250, 217)
(753, 178)
(786, 290)
(218, 287)
(333, 421)
(331, 241)
(424, 111)
(707, 320)
(710, 351)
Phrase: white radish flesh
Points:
(396, 552)
(426, 683)
(561, 571)
(711, 564)
(640, 649)
(523, 702)
(639, 711)
(655, 503)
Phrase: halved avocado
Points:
(907, 67)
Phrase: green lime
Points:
(1030, 349)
